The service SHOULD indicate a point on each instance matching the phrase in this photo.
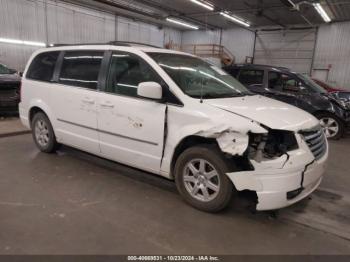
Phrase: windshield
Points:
(311, 84)
(198, 78)
(4, 70)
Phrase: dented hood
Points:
(266, 111)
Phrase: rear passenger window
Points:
(251, 77)
(43, 66)
(81, 68)
(126, 72)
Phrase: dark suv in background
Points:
(296, 89)
(10, 82)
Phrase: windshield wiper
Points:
(235, 95)
(209, 95)
(218, 95)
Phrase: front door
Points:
(131, 129)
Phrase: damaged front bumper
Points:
(285, 180)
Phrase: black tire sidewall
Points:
(51, 146)
(213, 156)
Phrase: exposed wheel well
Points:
(239, 163)
(33, 111)
(189, 142)
(320, 112)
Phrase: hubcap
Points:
(330, 126)
(42, 133)
(201, 180)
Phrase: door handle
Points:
(88, 101)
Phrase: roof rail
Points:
(116, 43)
(62, 44)
(128, 43)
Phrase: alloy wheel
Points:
(330, 126)
(201, 180)
(42, 133)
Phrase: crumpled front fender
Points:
(229, 130)
(229, 140)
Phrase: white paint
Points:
(267, 111)
(272, 179)
(130, 130)
(233, 143)
(151, 90)
(80, 107)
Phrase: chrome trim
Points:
(316, 141)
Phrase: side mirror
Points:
(150, 90)
(20, 74)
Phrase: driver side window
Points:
(283, 82)
(289, 82)
(126, 72)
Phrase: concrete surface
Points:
(75, 203)
(11, 126)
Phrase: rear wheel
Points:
(200, 176)
(43, 133)
(332, 126)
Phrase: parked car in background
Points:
(328, 87)
(298, 90)
(340, 94)
(175, 115)
(10, 83)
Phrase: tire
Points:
(189, 177)
(332, 126)
(43, 134)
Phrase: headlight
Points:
(271, 145)
(279, 142)
(344, 103)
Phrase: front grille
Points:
(316, 141)
(9, 91)
(9, 85)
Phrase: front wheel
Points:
(201, 180)
(332, 126)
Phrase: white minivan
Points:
(175, 115)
